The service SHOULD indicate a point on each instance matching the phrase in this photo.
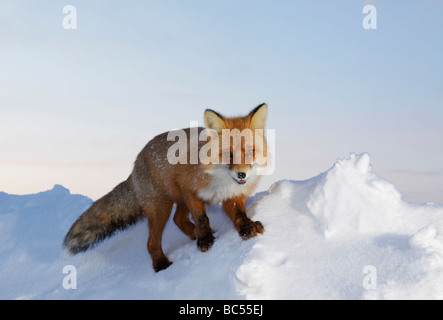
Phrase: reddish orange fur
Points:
(156, 185)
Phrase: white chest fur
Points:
(222, 186)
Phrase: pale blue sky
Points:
(76, 106)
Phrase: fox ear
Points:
(258, 116)
(214, 120)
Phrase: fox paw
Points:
(205, 243)
(161, 264)
(251, 229)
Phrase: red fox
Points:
(156, 184)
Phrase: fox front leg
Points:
(235, 209)
(203, 231)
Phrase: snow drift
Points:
(344, 234)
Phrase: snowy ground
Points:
(344, 234)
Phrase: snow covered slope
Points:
(344, 234)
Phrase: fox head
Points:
(242, 144)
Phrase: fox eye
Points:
(250, 151)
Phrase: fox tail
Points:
(114, 211)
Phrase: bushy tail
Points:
(115, 211)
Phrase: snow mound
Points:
(323, 234)
(350, 198)
(344, 234)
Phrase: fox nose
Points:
(241, 175)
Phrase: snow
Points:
(344, 234)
